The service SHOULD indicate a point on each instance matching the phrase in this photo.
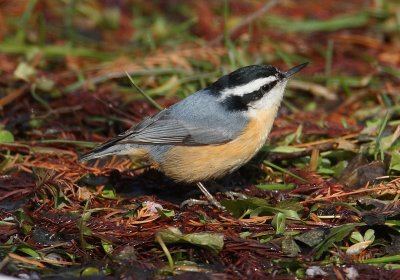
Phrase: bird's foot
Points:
(192, 201)
(232, 195)
(210, 199)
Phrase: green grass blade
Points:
(270, 164)
(148, 98)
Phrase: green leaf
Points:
(29, 251)
(290, 247)
(165, 213)
(26, 228)
(109, 192)
(290, 204)
(356, 237)
(369, 235)
(89, 271)
(254, 207)
(275, 187)
(211, 241)
(311, 238)
(279, 223)
(6, 136)
(336, 234)
(238, 207)
(395, 162)
(338, 168)
(245, 234)
(107, 246)
(325, 171)
(268, 210)
(170, 234)
(60, 199)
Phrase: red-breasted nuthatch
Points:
(211, 132)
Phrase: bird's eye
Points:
(266, 88)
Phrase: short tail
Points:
(103, 152)
(111, 147)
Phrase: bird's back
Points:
(202, 110)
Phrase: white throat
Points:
(271, 101)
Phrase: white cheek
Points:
(270, 101)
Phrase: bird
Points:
(210, 133)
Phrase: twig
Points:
(26, 260)
(248, 20)
(13, 95)
(319, 142)
(314, 89)
(342, 194)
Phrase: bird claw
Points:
(191, 202)
(233, 195)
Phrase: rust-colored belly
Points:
(198, 163)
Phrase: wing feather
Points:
(196, 120)
(165, 129)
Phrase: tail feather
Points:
(102, 152)
(110, 147)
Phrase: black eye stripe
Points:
(252, 96)
(268, 87)
(241, 103)
(258, 94)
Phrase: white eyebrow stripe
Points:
(247, 88)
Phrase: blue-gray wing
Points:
(196, 120)
(165, 129)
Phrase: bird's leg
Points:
(210, 198)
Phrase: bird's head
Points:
(253, 88)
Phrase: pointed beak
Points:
(294, 70)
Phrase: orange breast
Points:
(198, 163)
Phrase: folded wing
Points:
(164, 129)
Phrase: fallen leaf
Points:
(358, 247)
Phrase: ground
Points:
(320, 201)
